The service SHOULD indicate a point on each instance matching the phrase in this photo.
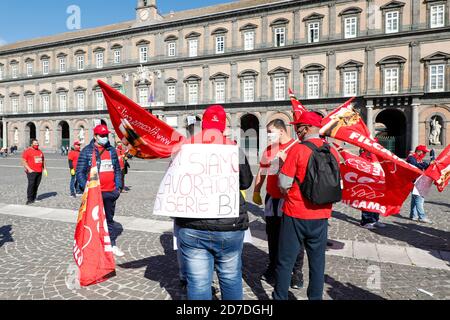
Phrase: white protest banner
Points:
(202, 182)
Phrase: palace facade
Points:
(392, 55)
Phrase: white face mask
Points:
(102, 140)
(273, 137)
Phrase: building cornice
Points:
(261, 9)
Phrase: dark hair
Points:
(33, 140)
(277, 123)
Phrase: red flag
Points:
(92, 249)
(296, 104)
(146, 136)
(346, 124)
(367, 185)
(439, 171)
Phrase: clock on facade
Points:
(144, 15)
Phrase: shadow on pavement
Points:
(47, 195)
(254, 262)
(162, 269)
(348, 291)
(5, 235)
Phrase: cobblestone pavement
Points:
(35, 263)
(35, 255)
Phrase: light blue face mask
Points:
(102, 140)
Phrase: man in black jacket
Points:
(209, 243)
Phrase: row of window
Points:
(313, 85)
(350, 19)
(45, 101)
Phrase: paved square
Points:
(405, 260)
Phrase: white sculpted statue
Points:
(81, 135)
(47, 135)
(435, 133)
(16, 136)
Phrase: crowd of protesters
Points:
(296, 216)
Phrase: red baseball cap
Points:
(215, 118)
(422, 148)
(77, 143)
(101, 130)
(309, 118)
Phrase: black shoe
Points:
(29, 203)
(269, 276)
(183, 285)
(73, 195)
(297, 281)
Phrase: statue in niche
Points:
(81, 135)
(47, 135)
(435, 133)
(16, 136)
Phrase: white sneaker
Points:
(415, 219)
(380, 225)
(369, 226)
(426, 220)
(117, 252)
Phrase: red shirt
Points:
(273, 167)
(295, 205)
(73, 155)
(34, 158)
(121, 154)
(107, 182)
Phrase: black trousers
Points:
(313, 235)
(34, 180)
(273, 234)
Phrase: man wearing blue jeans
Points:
(417, 212)
(206, 244)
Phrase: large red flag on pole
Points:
(146, 136)
(345, 124)
(92, 249)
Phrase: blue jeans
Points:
(74, 185)
(109, 202)
(201, 251)
(417, 207)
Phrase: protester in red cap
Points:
(304, 223)
(417, 212)
(208, 243)
(109, 172)
(34, 164)
(73, 161)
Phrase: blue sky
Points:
(28, 19)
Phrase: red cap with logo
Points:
(101, 130)
(422, 148)
(215, 118)
(309, 118)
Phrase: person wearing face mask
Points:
(34, 163)
(304, 223)
(110, 176)
(417, 212)
(73, 161)
(280, 144)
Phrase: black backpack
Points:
(322, 183)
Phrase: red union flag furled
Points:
(367, 185)
(439, 171)
(345, 124)
(146, 136)
(92, 249)
(297, 106)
